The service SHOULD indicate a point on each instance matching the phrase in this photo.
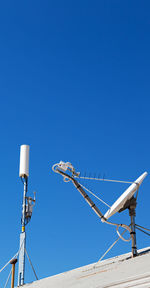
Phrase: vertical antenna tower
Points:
(23, 174)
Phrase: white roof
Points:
(118, 272)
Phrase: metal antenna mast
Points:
(131, 206)
(132, 214)
(27, 207)
(23, 173)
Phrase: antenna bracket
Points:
(30, 203)
(130, 204)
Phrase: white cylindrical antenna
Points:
(24, 161)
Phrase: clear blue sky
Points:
(75, 86)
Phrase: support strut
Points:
(132, 214)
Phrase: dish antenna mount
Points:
(125, 201)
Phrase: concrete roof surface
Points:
(121, 271)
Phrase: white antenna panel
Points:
(124, 197)
(24, 161)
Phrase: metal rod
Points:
(24, 203)
(87, 199)
(7, 279)
(111, 247)
(103, 179)
(31, 265)
(142, 227)
(84, 194)
(13, 262)
(133, 231)
(142, 230)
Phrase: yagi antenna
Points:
(126, 200)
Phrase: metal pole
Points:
(21, 267)
(84, 195)
(13, 262)
(133, 232)
(24, 203)
(87, 198)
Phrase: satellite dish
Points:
(120, 202)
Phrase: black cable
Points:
(143, 231)
(142, 227)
